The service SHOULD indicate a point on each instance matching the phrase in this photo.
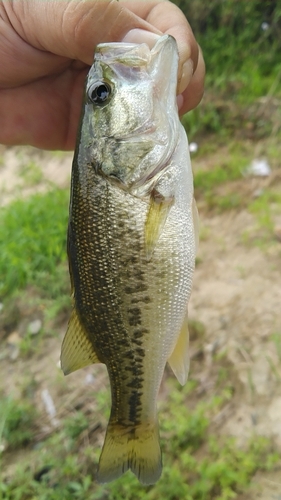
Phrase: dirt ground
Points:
(236, 295)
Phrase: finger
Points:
(193, 94)
(72, 28)
(169, 19)
(20, 62)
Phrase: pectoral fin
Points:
(157, 214)
(179, 360)
(77, 350)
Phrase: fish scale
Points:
(96, 298)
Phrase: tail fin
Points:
(136, 448)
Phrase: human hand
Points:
(45, 52)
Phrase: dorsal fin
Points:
(77, 350)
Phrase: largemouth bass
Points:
(131, 244)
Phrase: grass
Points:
(33, 256)
(206, 180)
(265, 208)
(16, 422)
(276, 338)
(32, 241)
(237, 79)
(227, 167)
(31, 173)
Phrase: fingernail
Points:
(179, 101)
(141, 36)
(186, 75)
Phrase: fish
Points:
(132, 238)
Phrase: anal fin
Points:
(77, 350)
(179, 359)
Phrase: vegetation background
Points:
(221, 433)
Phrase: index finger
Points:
(169, 19)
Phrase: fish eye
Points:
(99, 92)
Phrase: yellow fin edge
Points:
(77, 350)
(133, 447)
(179, 359)
(156, 217)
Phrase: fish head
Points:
(120, 74)
(130, 102)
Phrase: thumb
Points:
(72, 28)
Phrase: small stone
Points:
(264, 26)
(13, 342)
(89, 379)
(258, 168)
(14, 353)
(258, 193)
(35, 326)
(2, 447)
(193, 147)
(49, 406)
(14, 339)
